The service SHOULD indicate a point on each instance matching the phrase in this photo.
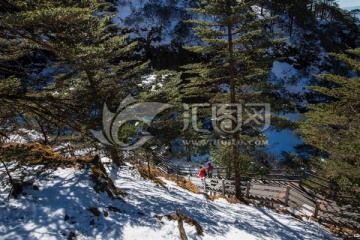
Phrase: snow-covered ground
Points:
(62, 201)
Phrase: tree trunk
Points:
(46, 139)
(115, 156)
(235, 149)
(12, 182)
(188, 152)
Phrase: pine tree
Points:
(235, 54)
(333, 128)
(93, 58)
(20, 65)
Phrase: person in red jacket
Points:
(210, 169)
(202, 175)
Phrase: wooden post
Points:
(317, 208)
(287, 195)
(248, 189)
(204, 184)
(223, 186)
(181, 226)
(227, 173)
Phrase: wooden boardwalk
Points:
(274, 188)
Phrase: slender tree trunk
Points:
(46, 139)
(12, 182)
(235, 149)
(115, 156)
(188, 152)
(323, 10)
(112, 149)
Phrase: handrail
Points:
(295, 195)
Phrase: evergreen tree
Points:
(333, 127)
(92, 57)
(234, 55)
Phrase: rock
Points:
(71, 236)
(114, 209)
(95, 211)
(141, 213)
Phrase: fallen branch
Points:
(193, 222)
(181, 226)
(179, 215)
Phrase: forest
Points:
(267, 91)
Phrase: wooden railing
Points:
(297, 190)
(225, 173)
(329, 211)
(293, 189)
(287, 193)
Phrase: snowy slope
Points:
(61, 205)
(161, 22)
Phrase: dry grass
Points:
(45, 156)
(232, 200)
(155, 174)
(345, 232)
(213, 198)
(182, 182)
(36, 153)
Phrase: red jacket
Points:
(202, 172)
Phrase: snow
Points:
(196, 161)
(148, 80)
(257, 10)
(24, 136)
(160, 21)
(283, 70)
(153, 81)
(40, 214)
